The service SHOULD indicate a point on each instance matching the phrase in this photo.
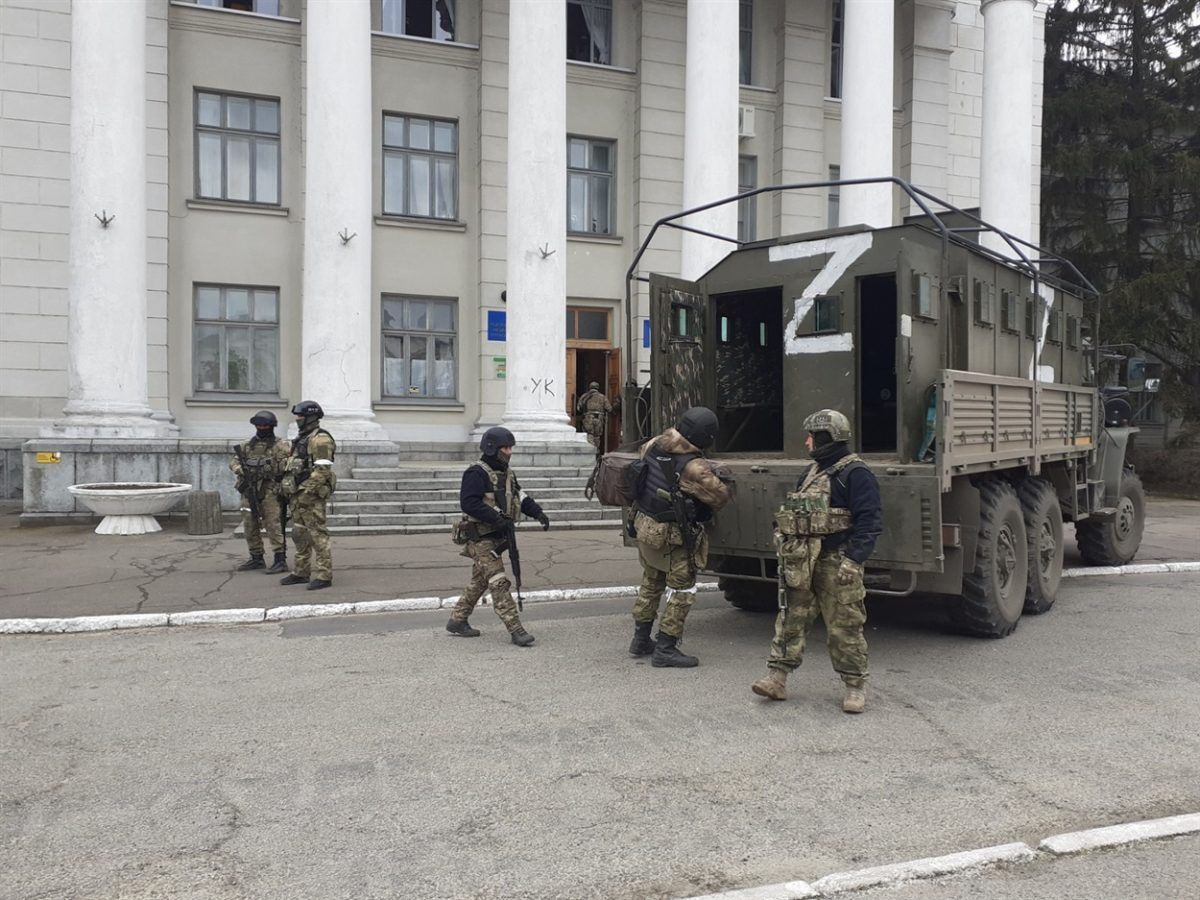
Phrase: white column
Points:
(867, 94)
(535, 383)
(1005, 167)
(107, 394)
(710, 141)
(336, 364)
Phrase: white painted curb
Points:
(790, 890)
(311, 610)
(1136, 569)
(922, 868)
(216, 616)
(1114, 835)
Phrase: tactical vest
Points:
(592, 403)
(806, 511)
(503, 484)
(658, 465)
(300, 449)
(258, 461)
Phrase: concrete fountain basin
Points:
(129, 507)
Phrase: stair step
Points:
(403, 496)
(447, 518)
(445, 484)
(439, 506)
(571, 525)
(426, 471)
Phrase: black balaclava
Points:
(826, 450)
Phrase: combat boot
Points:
(855, 701)
(462, 629)
(294, 579)
(773, 685)
(642, 644)
(521, 637)
(254, 562)
(280, 563)
(667, 655)
(318, 583)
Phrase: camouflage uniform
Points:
(810, 583)
(596, 409)
(308, 484)
(265, 460)
(665, 564)
(487, 571)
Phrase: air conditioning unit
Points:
(745, 122)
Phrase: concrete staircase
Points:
(421, 496)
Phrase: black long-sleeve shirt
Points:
(475, 483)
(854, 488)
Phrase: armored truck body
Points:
(969, 379)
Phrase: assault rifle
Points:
(251, 486)
(508, 529)
(684, 510)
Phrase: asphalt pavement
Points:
(377, 756)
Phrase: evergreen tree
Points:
(1121, 172)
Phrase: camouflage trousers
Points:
(841, 606)
(311, 536)
(593, 424)
(487, 574)
(677, 581)
(269, 525)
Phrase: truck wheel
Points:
(1115, 542)
(1044, 530)
(994, 592)
(752, 596)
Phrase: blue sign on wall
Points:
(646, 333)
(496, 324)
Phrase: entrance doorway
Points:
(591, 357)
(749, 371)
(877, 363)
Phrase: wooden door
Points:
(570, 398)
(613, 391)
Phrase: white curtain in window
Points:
(444, 173)
(598, 16)
(443, 25)
(393, 17)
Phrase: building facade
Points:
(348, 201)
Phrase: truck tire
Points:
(1044, 530)
(752, 596)
(993, 594)
(1116, 541)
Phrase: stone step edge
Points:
(967, 861)
(568, 525)
(257, 615)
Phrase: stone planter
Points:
(129, 507)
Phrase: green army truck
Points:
(969, 377)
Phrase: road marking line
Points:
(74, 624)
(1115, 835)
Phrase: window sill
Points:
(586, 238)
(258, 400)
(233, 12)
(423, 49)
(424, 40)
(257, 209)
(414, 222)
(435, 405)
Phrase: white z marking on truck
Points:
(842, 250)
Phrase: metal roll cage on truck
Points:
(970, 378)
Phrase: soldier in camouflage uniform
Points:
(308, 483)
(674, 464)
(258, 471)
(595, 409)
(824, 533)
(491, 501)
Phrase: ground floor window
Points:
(420, 348)
(235, 339)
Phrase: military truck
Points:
(969, 376)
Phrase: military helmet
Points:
(308, 408)
(594, 386)
(264, 418)
(494, 438)
(699, 426)
(831, 421)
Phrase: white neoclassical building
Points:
(420, 212)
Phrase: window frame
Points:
(747, 209)
(929, 314)
(430, 335)
(1074, 332)
(591, 40)
(827, 305)
(405, 153)
(223, 131)
(982, 295)
(1031, 311)
(1008, 312)
(590, 174)
(572, 323)
(745, 42)
(453, 38)
(225, 324)
(1054, 326)
(220, 4)
(833, 200)
(837, 48)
